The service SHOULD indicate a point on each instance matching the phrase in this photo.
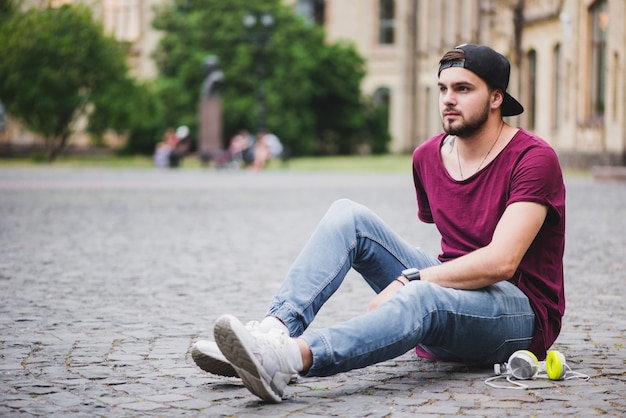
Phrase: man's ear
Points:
(497, 97)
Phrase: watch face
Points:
(411, 273)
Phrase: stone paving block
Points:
(10, 367)
(439, 408)
(62, 399)
(116, 400)
(39, 389)
(192, 404)
(144, 406)
(163, 398)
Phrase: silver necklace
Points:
(458, 158)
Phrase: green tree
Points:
(312, 89)
(339, 111)
(58, 66)
(130, 108)
(7, 9)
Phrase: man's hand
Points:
(387, 293)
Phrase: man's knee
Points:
(342, 205)
(342, 209)
(349, 208)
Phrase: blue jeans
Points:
(480, 326)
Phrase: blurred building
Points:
(568, 60)
(568, 64)
(128, 21)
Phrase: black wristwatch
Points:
(411, 274)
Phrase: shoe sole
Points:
(230, 336)
(212, 365)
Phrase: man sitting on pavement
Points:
(497, 197)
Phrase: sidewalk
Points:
(108, 277)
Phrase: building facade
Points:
(568, 64)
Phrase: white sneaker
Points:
(260, 359)
(209, 358)
(207, 355)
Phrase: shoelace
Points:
(272, 350)
(253, 325)
(274, 339)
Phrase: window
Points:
(379, 124)
(122, 19)
(59, 3)
(616, 73)
(532, 88)
(599, 25)
(3, 121)
(556, 85)
(312, 11)
(382, 101)
(387, 22)
(382, 96)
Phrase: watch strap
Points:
(411, 274)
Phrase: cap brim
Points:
(510, 106)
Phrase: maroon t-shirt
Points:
(466, 213)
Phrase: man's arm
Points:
(515, 231)
(498, 261)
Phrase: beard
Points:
(467, 127)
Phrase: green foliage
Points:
(146, 120)
(57, 66)
(312, 89)
(7, 9)
(337, 77)
(129, 107)
(375, 133)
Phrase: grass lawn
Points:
(368, 163)
(390, 163)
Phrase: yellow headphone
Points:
(556, 366)
(523, 365)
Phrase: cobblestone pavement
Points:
(108, 276)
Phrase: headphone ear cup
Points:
(523, 364)
(555, 365)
